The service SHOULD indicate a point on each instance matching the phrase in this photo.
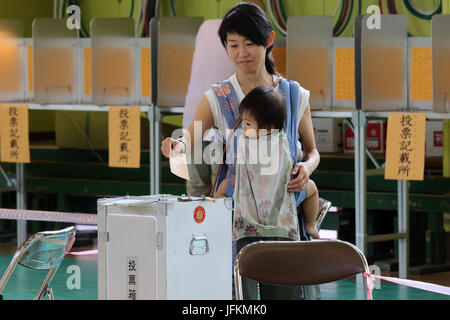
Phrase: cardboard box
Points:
(434, 143)
(375, 136)
(328, 134)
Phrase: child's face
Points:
(249, 126)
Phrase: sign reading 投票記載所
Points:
(124, 128)
(405, 149)
(14, 130)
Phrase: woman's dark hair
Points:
(250, 21)
(266, 106)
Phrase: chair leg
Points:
(238, 286)
(324, 206)
(311, 292)
(44, 287)
(49, 294)
(10, 269)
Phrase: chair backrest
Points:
(46, 250)
(42, 251)
(300, 263)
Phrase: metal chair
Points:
(301, 263)
(324, 206)
(42, 251)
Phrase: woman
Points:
(248, 38)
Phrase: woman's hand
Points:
(299, 182)
(171, 147)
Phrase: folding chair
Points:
(42, 251)
(301, 263)
(324, 206)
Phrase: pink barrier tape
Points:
(370, 285)
(84, 253)
(35, 215)
(71, 242)
(406, 282)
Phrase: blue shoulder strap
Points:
(228, 101)
(291, 92)
(229, 106)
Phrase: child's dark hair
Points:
(250, 21)
(266, 106)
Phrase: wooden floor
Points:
(24, 282)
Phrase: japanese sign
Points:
(30, 68)
(132, 287)
(124, 128)
(87, 70)
(405, 150)
(145, 72)
(345, 74)
(421, 74)
(15, 145)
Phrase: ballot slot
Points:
(309, 57)
(56, 62)
(175, 50)
(113, 61)
(440, 25)
(12, 75)
(384, 64)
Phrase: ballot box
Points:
(164, 247)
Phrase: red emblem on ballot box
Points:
(199, 214)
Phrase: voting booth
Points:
(164, 247)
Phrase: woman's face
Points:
(244, 54)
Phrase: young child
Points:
(263, 206)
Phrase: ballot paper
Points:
(178, 165)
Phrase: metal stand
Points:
(359, 123)
(154, 118)
(21, 196)
(403, 227)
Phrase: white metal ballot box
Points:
(164, 247)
